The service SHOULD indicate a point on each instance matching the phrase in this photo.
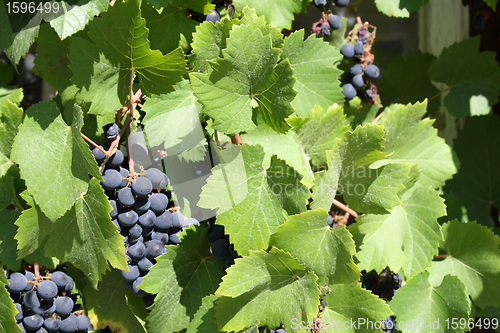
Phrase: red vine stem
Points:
(441, 256)
(36, 267)
(129, 152)
(235, 139)
(345, 208)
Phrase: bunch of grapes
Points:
(45, 304)
(360, 76)
(142, 215)
(384, 284)
(328, 21)
(222, 249)
(480, 11)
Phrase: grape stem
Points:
(377, 118)
(130, 159)
(345, 208)
(89, 140)
(36, 267)
(441, 256)
(235, 139)
(439, 94)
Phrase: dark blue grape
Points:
(135, 288)
(178, 219)
(98, 154)
(155, 176)
(125, 174)
(220, 249)
(161, 236)
(187, 222)
(127, 217)
(111, 131)
(389, 324)
(356, 69)
(347, 50)
(30, 277)
(147, 220)
(111, 179)
(158, 202)
(329, 220)
(142, 186)
(359, 48)
(229, 262)
(132, 274)
(31, 300)
(142, 204)
(83, 322)
(125, 197)
(64, 305)
(135, 232)
(341, 3)
(232, 250)
(33, 322)
(368, 94)
(116, 160)
(69, 286)
(46, 306)
(372, 72)
(335, 22)
(349, 91)
(21, 327)
(155, 248)
(145, 264)
(164, 221)
(47, 289)
(69, 325)
(357, 81)
(320, 2)
(19, 315)
(174, 238)
(52, 324)
(137, 251)
(215, 232)
(17, 282)
(213, 16)
(114, 212)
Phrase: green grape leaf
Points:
(268, 288)
(250, 199)
(251, 18)
(278, 13)
(204, 318)
(11, 117)
(473, 78)
(359, 113)
(107, 305)
(15, 95)
(410, 139)
(208, 42)
(121, 46)
(76, 16)
(407, 80)
(6, 74)
(492, 4)
(285, 146)
(181, 278)
(326, 182)
(7, 309)
(411, 229)
(477, 183)
(247, 76)
(474, 257)
(399, 8)
(201, 6)
(312, 61)
(16, 41)
(57, 177)
(317, 132)
(179, 107)
(52, 63)
(171, 28)
(84, 236)
(354, 307)
(433, 306)
(324, 250)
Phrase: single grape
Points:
(132, 274)
(83, 322)
(280, 330)
(341, 3)
(145, 264)
(163, 183)
(47, 289)
(69, 286)
(116, 160)
(21, 327)
(69, 325)
(187, 222)
(158, 202)
(147, 220)
(114, 212)
(19, 315)
(372, 72)
(17, 282)
(142, 186)
(125, 197)
(30, 277)
(64, 305)
(356, 69)
(135, 288)
(125, 174)
(161, 236)
(33, 322)
(127, 217)
(155, 176)
(368, 94)
(357, 81)
(229, 262)
(220, 249)
(359, 48)
(349, 91)
(155, 248)
(347, 50)
(174, 238)
(142, 204)
(335, 22)
(137, 251)
(213, 16)
(31, 300)
(52, 324)
(389, 324)
(320, 2)
(46, 306)
(111, 131)
(215, 232)
(178, 219)
(98, 154)
(135, 232)
(164, 221)
(111, 179)
(329, 220)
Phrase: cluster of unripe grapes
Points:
(45, 304)
(480, 11)
(141, 213)
(358, 80)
